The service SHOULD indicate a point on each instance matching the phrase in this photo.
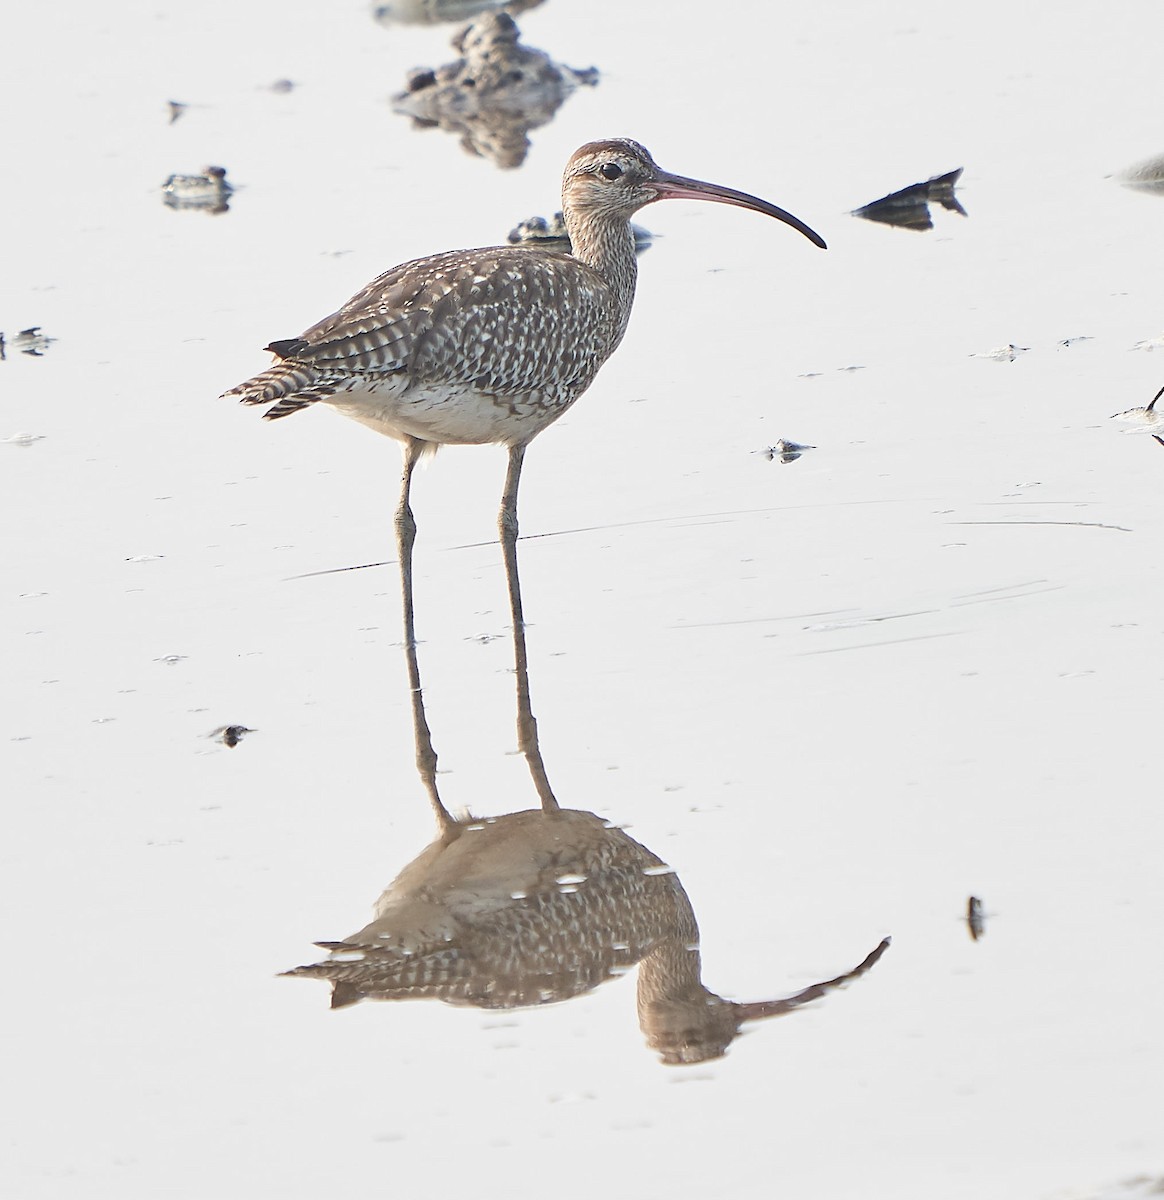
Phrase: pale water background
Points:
(839, 696)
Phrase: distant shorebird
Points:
(488, 346)
(208, 191)
(1145, 420)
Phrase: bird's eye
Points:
(610, 171)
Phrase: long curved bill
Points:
(677, 187)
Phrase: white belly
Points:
(457, 415)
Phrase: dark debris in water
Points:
(231, 735)
(493, 95)
(975, 918)
(1008, 353)
(785, 451)
(909, 208)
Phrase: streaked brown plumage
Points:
(492, 345)
(465, 347)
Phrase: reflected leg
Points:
(426, 759)
(527, 727)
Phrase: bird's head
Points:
(618, 177)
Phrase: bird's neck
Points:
(608, 247)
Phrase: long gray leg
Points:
(527, 727)
(426, 759)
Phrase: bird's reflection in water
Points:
(494, 94)
(538, 906)
(434, 12)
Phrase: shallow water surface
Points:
(839, 695)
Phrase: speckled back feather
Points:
(507, 321)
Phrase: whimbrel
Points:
(487, 346)
(493, 345)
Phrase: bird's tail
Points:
(289, 386)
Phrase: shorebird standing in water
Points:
(487, 346)
(1145, 420)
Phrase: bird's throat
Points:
(608, 247)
